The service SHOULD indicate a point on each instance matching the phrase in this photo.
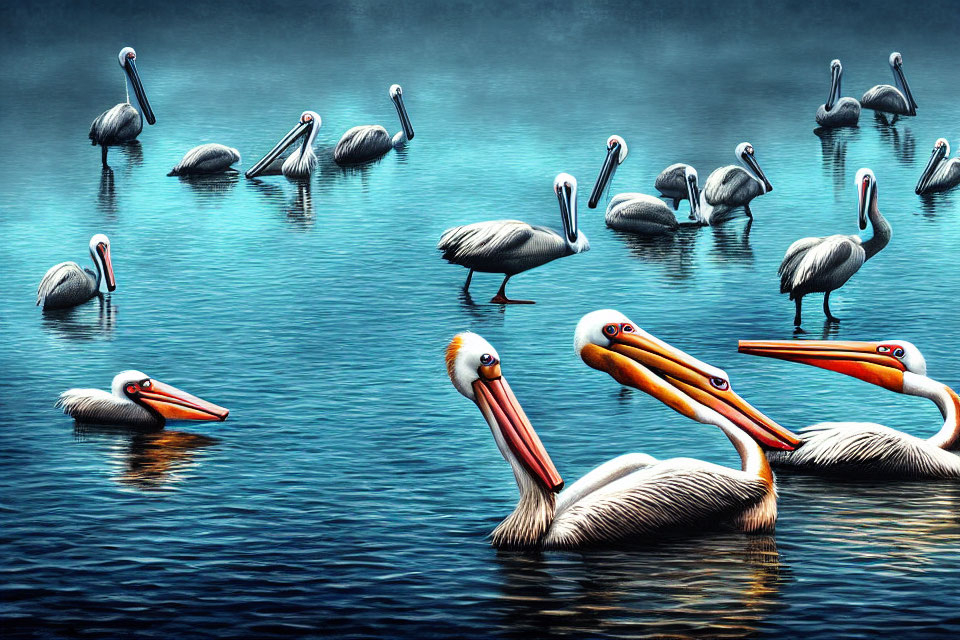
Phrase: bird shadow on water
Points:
(731, 244)
(298, 210)
(107, 193)
(930, 202)
(211, 186)
(87, 321)
(833, 151)
(674, 254)
(903, 142)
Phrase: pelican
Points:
(884, 98)
(299, 164)
(637, 212)
(67, 285)
(731, 187)
(861, 448)
(672, 183)
(511, 247)
(837, 111)
(137, 400)
(369, 142)
(626, 498)
(207, 159)
(824, 264)
(940, 174)
(122, 123)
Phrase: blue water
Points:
(351, 489)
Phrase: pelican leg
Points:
(826, 308)
(103, 155)
(501, 297)
(466, 285)
(746, 208)
(676, 203)
(796, 318)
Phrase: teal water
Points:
(351, 489)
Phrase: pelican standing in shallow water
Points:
(861, 448)
(122, 123)
(731, 187)
(511, 247)
(941, 173)
(369, 142)
(637, 212)
(813, 265)
(838, 111)
(299, 164)
(627, 498)
(207, 159)
(67, 285)
(138, 401)
(884, 98)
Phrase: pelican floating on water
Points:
(941, 173)
(139, 401)
(369, 142)
(860, 448)
(122, 123)
(511, 247)
(300, 163)
(67, 285)
(813, 265)
(207, 159)
(838, 111)
(884, 98)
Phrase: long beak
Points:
(936, 158)
(292, 136)
(834, 88)
(503, 411)
(567, 196)
(857, 359)
(755, 166)
(606, 172)
(693, 194)
(865, 195)
(906, 90)
(131, 68)
(404, 118)
(174, 404)
(678, 381)
(104, 251)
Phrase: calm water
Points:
(351, 489)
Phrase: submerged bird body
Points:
(369, 142)
(942, 172)
(838, 111)
(896, 100)
(207, 159)
(66, 285)
(122, 123)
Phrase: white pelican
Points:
(861, 448)
(626, 498)
(299, 164)
(511, 247)
(814, 265)
(207, 159)
(731, 187)
(369, 142)
(137, 401)
(940, 174)
(67, 285)
(672, 183)
(637, 212)
(884, 98)
(122, 123)
(838, 111)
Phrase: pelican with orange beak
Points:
(137, 401)
(692, 491)
(862, 448)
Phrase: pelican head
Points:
(867, 194)
(881, 363)
(836, 71)
(164, 399)
(896, 65)
(396, 94)
(895, 59)
(565, 186)
(474, 368)
(745, 155)
(941, 150)
(307, 126)
(693, 192)
(616, 154)
(127, 58)
(608, 341)
(100, 252)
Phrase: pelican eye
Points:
(719, 383)
(611, 330)
(898, 352)
(132, 388)
(487, 360)
(131, 55)
(627, 328)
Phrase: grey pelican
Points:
(511, 247)
(860, 448)
(369, 142)
(731, 187)
(138, 401)
(300, 163)
(629, 497)
(672, 183)
(67, 285)
(884, 98)
(122, 123)
(838, 111)
(207, 159)
(940, 174)
(637, 212)
(814, 265)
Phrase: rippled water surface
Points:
(351, 490)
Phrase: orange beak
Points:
(104, 251)
(681, 382)
(858, 359)
(496, 401)
(174, 404)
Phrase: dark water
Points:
(351, 489)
